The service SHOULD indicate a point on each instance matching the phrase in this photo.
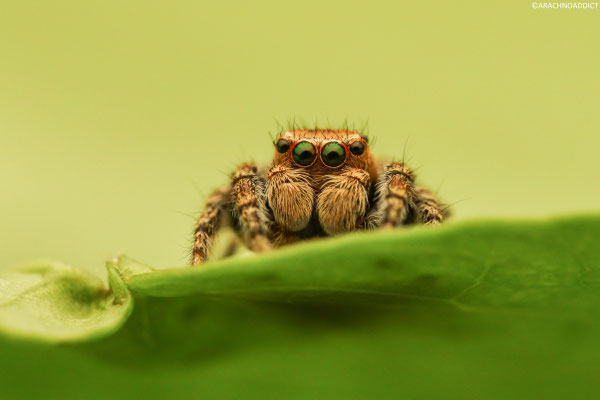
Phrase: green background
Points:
(117, 117)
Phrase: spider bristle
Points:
(279, 124)
(364, 129)
(300, 123)
(303, 124)
(439, 187)
(185, 214)
(200, 191)
(373, 140)
(404, 150)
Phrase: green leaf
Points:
(486, 309)
(54, 302)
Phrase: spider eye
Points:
(282, 145)
(304, 153)
(333, 154)
(357, 148)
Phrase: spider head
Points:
(322, 151)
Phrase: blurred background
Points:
(118, 118)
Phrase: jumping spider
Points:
(322, 182)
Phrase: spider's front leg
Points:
(397, 195)
(249, 201)
(209, 222)
(429, 210)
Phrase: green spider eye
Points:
(282, 145)
(333, 154)
(304, 153)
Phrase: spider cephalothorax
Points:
(322, 182)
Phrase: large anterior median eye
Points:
(304, 153)
(333, 154)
